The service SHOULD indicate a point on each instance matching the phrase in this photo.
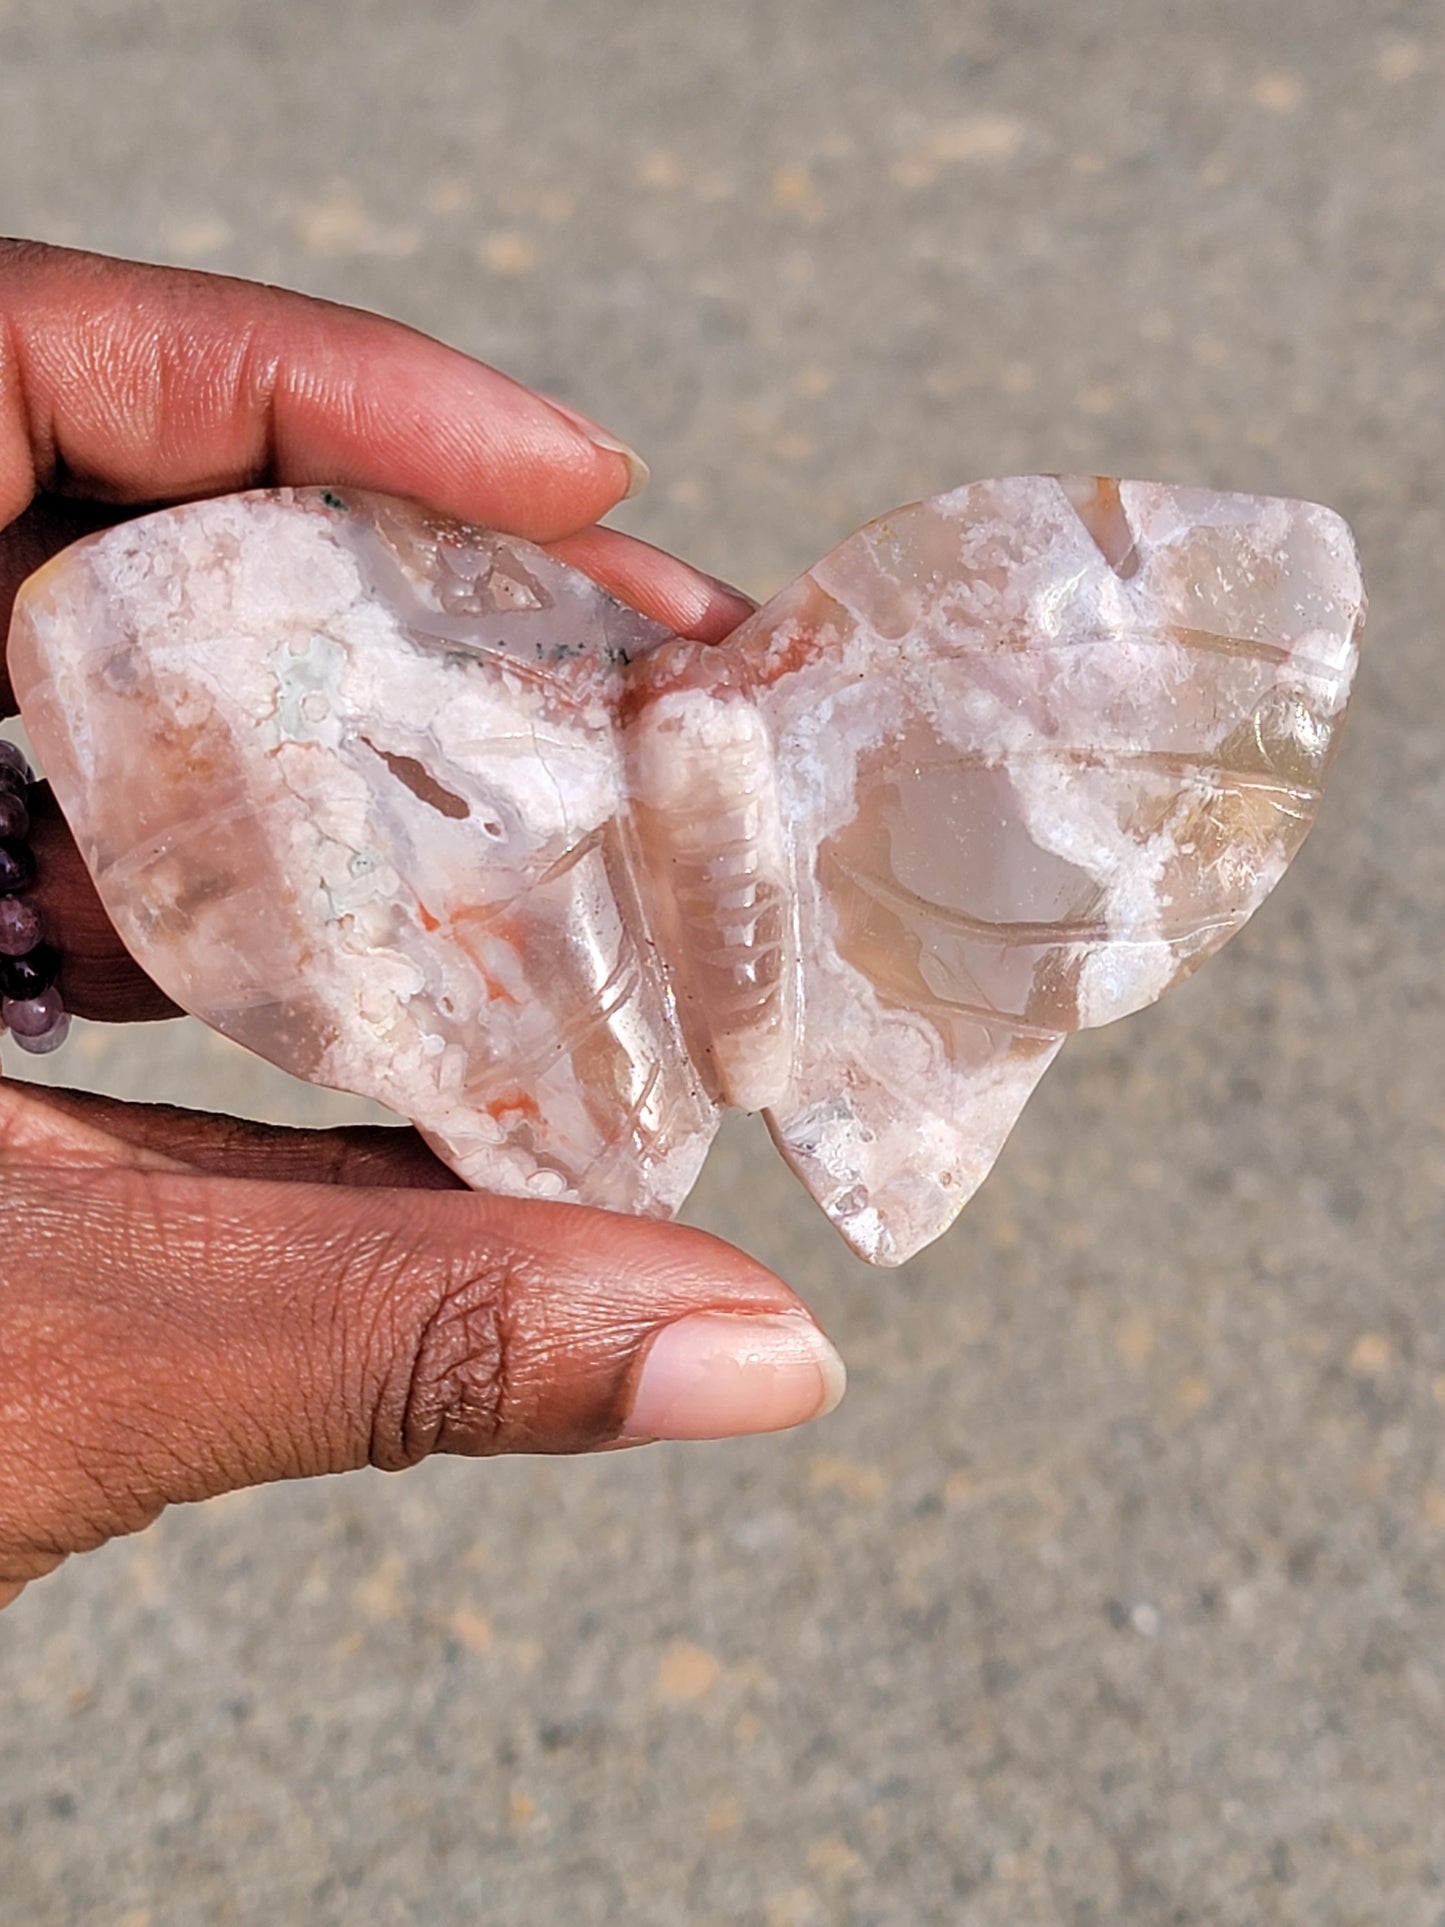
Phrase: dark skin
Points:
(192, 1303)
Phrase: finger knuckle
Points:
(450, 1389)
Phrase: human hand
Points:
(190, 1303)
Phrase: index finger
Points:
(127, 383)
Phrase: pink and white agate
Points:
(419, 812)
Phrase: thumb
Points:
(168, 1335)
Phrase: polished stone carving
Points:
(417, 811)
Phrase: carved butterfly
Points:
(416, 811)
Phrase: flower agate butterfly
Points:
(419, 812)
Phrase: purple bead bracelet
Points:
(30, 1005)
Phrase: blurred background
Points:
(1115, 1592)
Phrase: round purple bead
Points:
(46, 1040)
(32, 1016)
(27, 976)
(20, 928)
(12, 757)
(14, 817)
(17, 868)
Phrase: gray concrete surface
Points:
(1115, 1593)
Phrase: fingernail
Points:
(717, 1375)
(637, 470)
(735, 604)
(738, 595)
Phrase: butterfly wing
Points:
(347, 779)
(1041, 746)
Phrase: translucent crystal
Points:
(419, 812)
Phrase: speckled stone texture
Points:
(1114, 1593)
